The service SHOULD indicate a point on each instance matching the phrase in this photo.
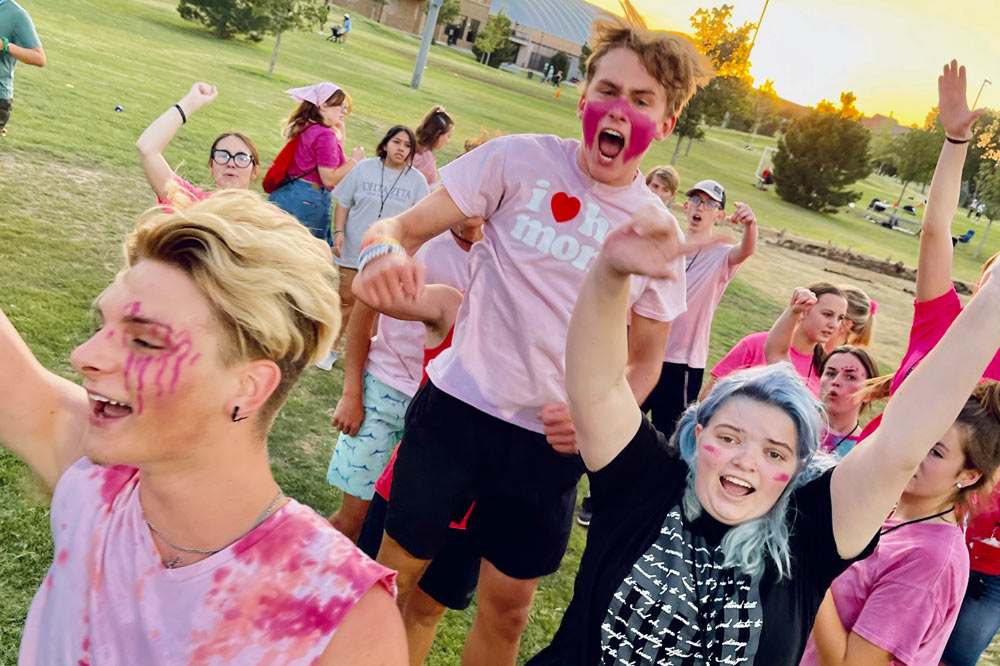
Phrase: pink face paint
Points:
(711, 449)
(781, 478)
(641, 133)
(111, 334)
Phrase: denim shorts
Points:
(978, 621)
(312, 207)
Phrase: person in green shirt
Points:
(19, 42)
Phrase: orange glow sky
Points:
(889, 52)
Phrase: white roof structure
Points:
(568, 19)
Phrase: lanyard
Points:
(381, 188)
(845, 437)
(915, 520)
(691, 263)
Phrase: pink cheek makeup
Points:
(711, 449)
(642, 132)
(781, 478)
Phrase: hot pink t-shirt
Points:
(749, 353)
(275, 596)
(708, 272)
(318, 147)
(396, 355)
(906, 596)
(426, 163)
(546, 222)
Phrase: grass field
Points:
(71, 186)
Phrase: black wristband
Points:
(959, 141)
(184, 117)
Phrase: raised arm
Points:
(744, 215)
(158, 135)
(778, 345)
(934, 267)
(647, 338)
(436, 307)
(42, 420)
(395, 277)
(870, 479)
(332, 177)
(604, 409)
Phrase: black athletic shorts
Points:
(5, 105)
(452, 576)
(454, 454)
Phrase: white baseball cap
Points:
(712, 188)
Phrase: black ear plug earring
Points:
(236, 411)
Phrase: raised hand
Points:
(199, 95)
(953, 108)
(358, 154)
(648, 244)
(388, 281)
(802, 299)
(557, 424)
(743, 214)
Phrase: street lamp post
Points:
(425, 44)
(986, 82)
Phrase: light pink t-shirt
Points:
(274, 597)
(426, 163)
(318, 147)
(546, 222)
(906, 596)
(708, 272)
(396, 355)
(749, 353)
(185, 190)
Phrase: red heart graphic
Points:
(564, 207)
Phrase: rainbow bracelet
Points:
(378, 247)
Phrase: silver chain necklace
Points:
(170, 564)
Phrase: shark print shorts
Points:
(358, 460)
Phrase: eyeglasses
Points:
(710, 204)
(222, 157)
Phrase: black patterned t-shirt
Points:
(652, 588)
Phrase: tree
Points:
(688, 126)
(818, 158)
(450, 10)
(225, 18)
(728, 47)
(585, 52)
(916, 156)
(988, 187)
(496, 33)
(560, 63)
(284, 15)
(846, 109)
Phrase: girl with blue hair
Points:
(718, 547)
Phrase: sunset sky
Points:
(889, 52)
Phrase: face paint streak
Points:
(781, 478)
(643, 129)
(711, 449)
(111, 334)
(128, 369)
(194, 359)
(141, 366)
(132, 309)
(184, 345)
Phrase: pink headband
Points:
(316, 94)
(874, 307)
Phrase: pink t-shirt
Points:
(426, 163)
(708, 272)
(318, 147)
(185, 190)
(906, 596)
(546, 222)
(396, 355)
(749, 353)
(275, 596)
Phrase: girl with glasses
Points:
(232, 159)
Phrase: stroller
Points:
(336, 33)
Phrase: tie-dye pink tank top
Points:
(274, 597)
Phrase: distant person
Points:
(972, 206)
(20, 42)
(433, 134)
(233, 159)
(979, 210)
(557, 79)
(547, 72)
(664, 181)
(347, 28)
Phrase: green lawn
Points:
(71, 186)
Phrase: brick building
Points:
(408, 16)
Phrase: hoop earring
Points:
(236, 411)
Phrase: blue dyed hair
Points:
(747, 545)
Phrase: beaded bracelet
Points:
(378, 248)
